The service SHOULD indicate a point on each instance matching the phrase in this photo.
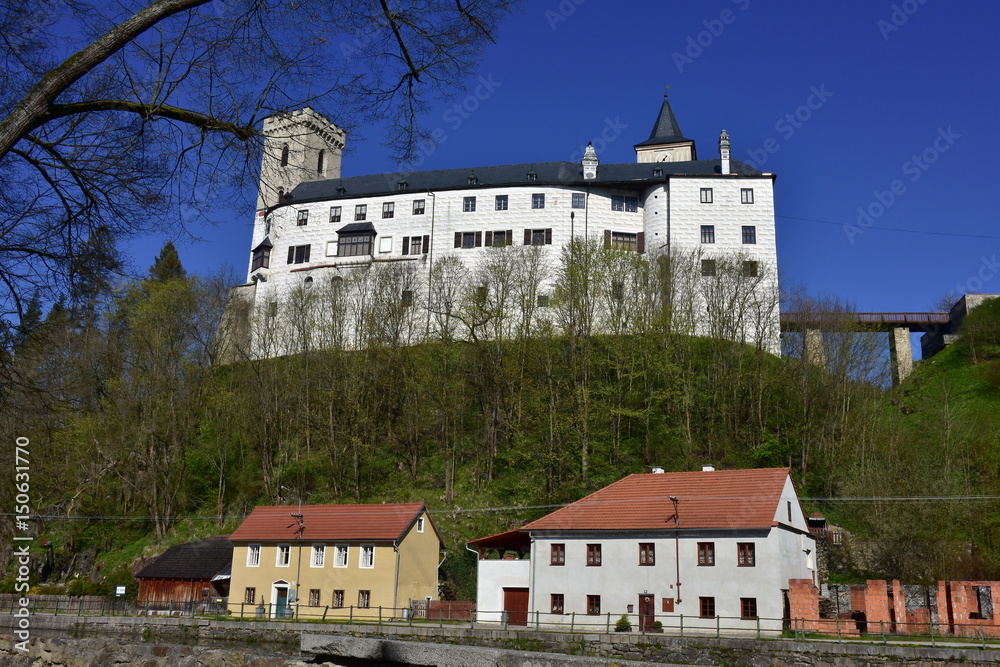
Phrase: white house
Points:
(716, 547)
(315, 229)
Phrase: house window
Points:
(420, 525)
(750, 269)
(261, 259)
(706, 195)
(708, 233)
(538, 200)
(416, 245)
(647, 553)
(407, 298)
(302, 219)
(367, 555)
(617, 203)
(284, 555)
(594, 555)
(746, 195)
(340, 555)
(338, 598)
(355, 245)
(500, 238)
(334, 214)
(557, 604)
(579, 200)
(706, 607)
(624, 241)
(250, 595)
(501, 203)
(594, 605)
(388, 210)
(468, 239)
(631, 204)
(468, 204)
(418, 207)
(558, 554)
(298, 254)
(746, 554)
(361, 212)
(706, 553)
(364, 599)
(313, 597)
(749, 234)
(538, 236)
(708, 267)
(748, 608)
(788, 506)
(318, 555)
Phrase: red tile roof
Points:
(328, 522)
(706, 499)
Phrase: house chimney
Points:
(708, 468)
(589, 163)
(657, 470)
(724, 152)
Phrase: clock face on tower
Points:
(664, 156)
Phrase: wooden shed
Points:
(190, 572)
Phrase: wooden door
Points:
(281, 602)
(647, 611)
(515, 604)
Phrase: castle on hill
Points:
(486, 251)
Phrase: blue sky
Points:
(884, 108)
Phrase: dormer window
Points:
(657, 171)
(341, 190)
(402, 185)
(473, 180)
(532, 176)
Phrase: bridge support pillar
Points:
(813, 347)
(901, 354)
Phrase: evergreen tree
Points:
(167, 265)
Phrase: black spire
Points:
(666, 130)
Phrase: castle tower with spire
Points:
(666, 142)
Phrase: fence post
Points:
(758, 627)
(325, 609)
(572, 621)
(350, 617)
(57, 607)
(882, 627)
(932, 632)
(536, 620)
(607, 624)
(380, 616)
(982, 636)
(79, 612)
(718, 623)
(682, 625)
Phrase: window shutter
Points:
(479, 239)
(406, 245)
(510, 236)
(527, 237)
(548, 236)
(291, 254)
(640, 242)
(489, 238)
(458, 239)
(607, 239)
(427, 243)
(307, 253)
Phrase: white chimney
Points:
(589, 163)
(657, 471)
(708, 468)
(724, 152)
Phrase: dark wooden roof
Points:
(199, 560)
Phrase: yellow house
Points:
(334, 561)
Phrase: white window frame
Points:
(420, 525)
(370, 549)
(318, 550)
(338, 550)
(277, 555)
(253, 555)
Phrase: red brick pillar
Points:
(803, 603)
(899, 607)
(944, 612)
(876, 604)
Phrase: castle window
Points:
(621, 240)
(538, 236)
(543, 300)
(418, 207)
(261, 257)
(746, 195)
(319, 162)
(538, 200)
(708, 233)
(579, 200)
(284, 155)
(355, 244)
(407, 298)
(500, 238)
(468, 239)
(308, 282)
(272, 311)
(416, 245)
(750, 269)
(473, 180)
(617, 203)
(281, 195)
(706, 195)
(298, 254)
(631, 204)
(402, 185)
(749, 234)
(388, 210)
(657, 171)
(501, 203)
(334, 214)
(468, 204)
(708, 267)
(302, 219)
(532, 176)
(361, 212)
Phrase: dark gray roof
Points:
(199, 560)
(629, 174)
(357, 228)
(665, 130)
(266, 243)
